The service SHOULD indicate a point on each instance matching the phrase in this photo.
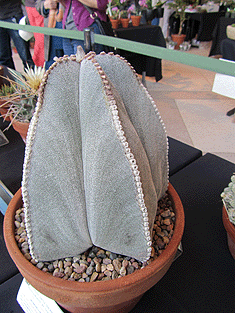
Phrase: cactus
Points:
(6, 90)
(228, 196)
(96, 160)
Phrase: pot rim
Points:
(100, 286)
(230, 228)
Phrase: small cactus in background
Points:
(6, 90)
(96, 160)
(228, 196)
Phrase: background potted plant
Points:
(228, 196)
(22, 100)
(153, 11)
(5, 92)
(136, 12)
(113, 13)
(124, 17)
(179, 6)
(113, 206)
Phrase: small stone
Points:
(98, 267)
(84, 275)
(60, 264)
(58, 273)
(67, 264)
(92, 254)
(125, 263)
(107, 273)
(34, 262)
(103, 267)
(27, 256)
(112, 256)
(50, 267)
(81, 280)
(130, 269)
(94, 276)
(40, 265)
(135, 265)
(117, 265)
(100, 276)
(166, 213)
(110, 267)
(20, 230)
(166, 240)
(114, 275)
(79, 269)
(68, 270)
(17, 224)
(167, 221)
(89, 270)
(123, 271)
(107, 261)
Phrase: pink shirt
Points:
(81, 16)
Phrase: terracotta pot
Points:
(179, 39)
(125, 22)
(20, 127)
(118, 295)
(114, 23)
(135, 20)
(230, 228)
(4, 110)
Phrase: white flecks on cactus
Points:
(228, 196)
(96, 160)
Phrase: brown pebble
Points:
(98, 267)
(27, 256)
(107, 261)
(167, 221)
(68, 270)
(125, 263)
(110, 267)
(94, 276)
(103, 267)
(122, 271)
(117, 265)
(107, 273)
(100, 276)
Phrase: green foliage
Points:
(6, 90)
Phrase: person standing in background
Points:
(53, 45)
(11, 11)
(76, 17)
(35, 19)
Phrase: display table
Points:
(219, 34)
(145, 34)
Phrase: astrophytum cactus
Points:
(96, 160)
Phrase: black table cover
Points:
(202, 279)
(145, 34)
(228, 49)
(11, 158)
(219, 34)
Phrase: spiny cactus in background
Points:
(228, 196)
(96, 160)
(6, 90)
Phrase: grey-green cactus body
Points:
(96, 161)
